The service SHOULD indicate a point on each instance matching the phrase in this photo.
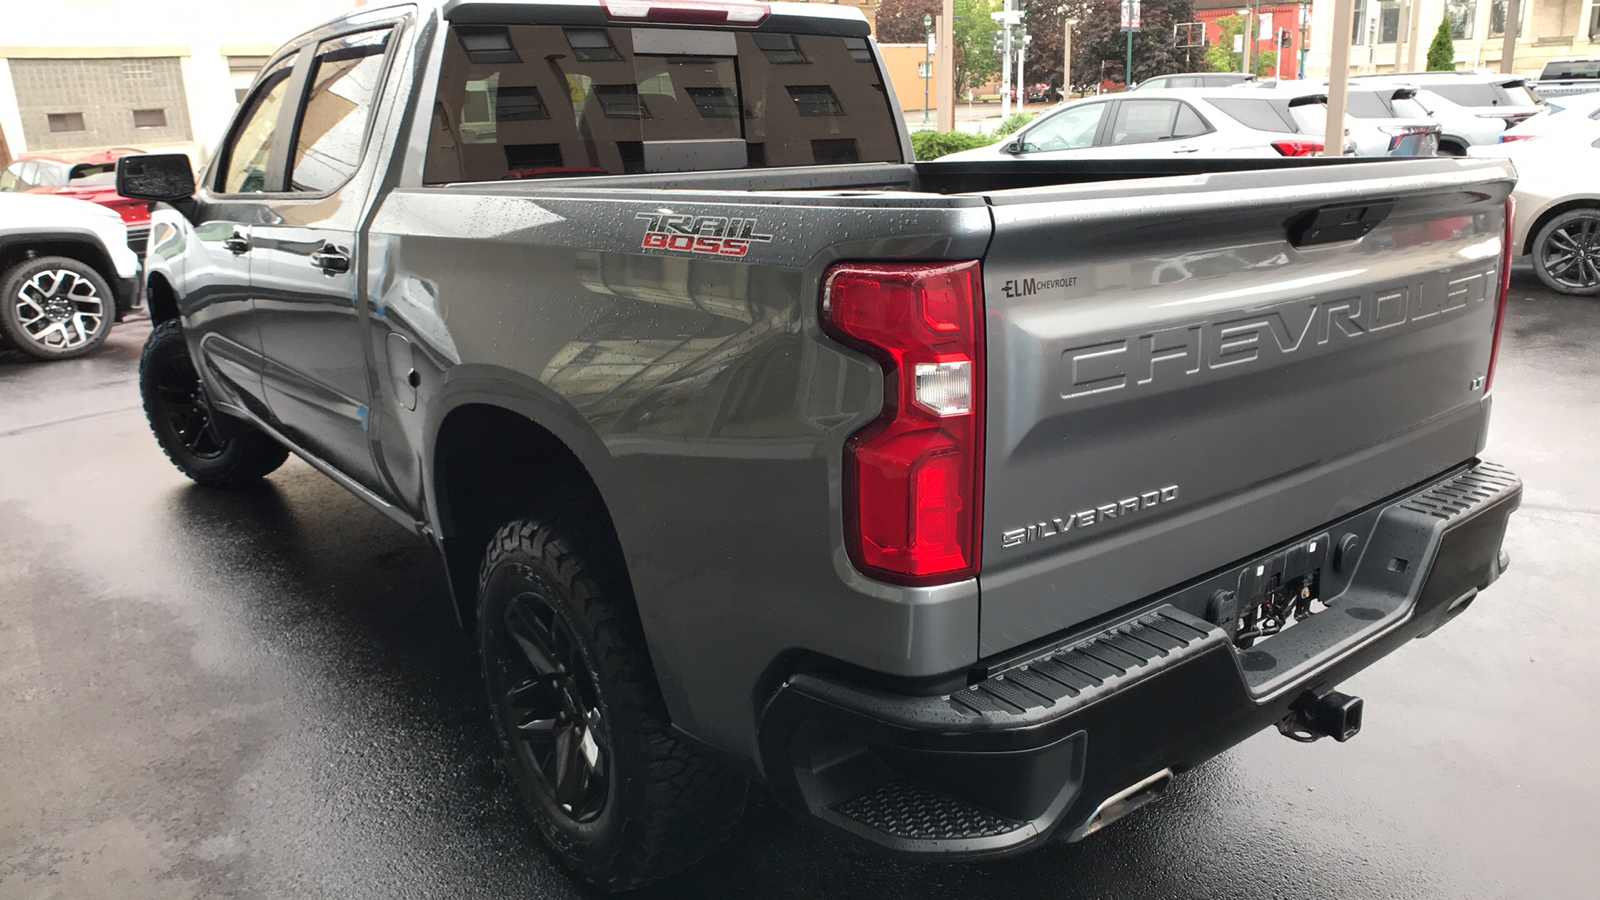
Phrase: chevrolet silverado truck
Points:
(958, 505)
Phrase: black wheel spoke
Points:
(533, 638)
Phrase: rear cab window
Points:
(543, 101)
(1571, 70)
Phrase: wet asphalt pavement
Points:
(205, 694)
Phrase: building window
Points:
(519, 104)
(858, 49)
(1391, 27)
(64, 122)
(1594, 21)
(1358, 28)
(149, 118)
(714, 102)
(621, 101)
(779, 49)
(138, 69)
(1497, 19)
(591, 44)
(815, 100)
(1461, 13)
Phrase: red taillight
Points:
(913, 503)
(1297, 148)
(1506, 253)
(1508, 138)
(687, 12)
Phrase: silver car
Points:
(1176, 122)
(1472, 108)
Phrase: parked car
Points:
(1043, 93)
(1472, 108)
(1197, 121)
(1195, 80)
(1567, 78)
(961, 505)
(1568, 110)
(66, 274)
(1380, 120)
(1558, 205)
(89, 176)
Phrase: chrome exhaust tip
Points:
(1135, 796)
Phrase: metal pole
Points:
(1066, 59)
(1304, 15)
(1344, 13)
(1508, 49)
(1244, 43)
(1127, 68)
(1022, 77)
(1005, 65)
(927, 62)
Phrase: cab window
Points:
(332, 129)
(245, 157)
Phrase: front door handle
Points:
(236, 244)
(1187, 150)
(329, 259)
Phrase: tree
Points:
(1221, 58)
(1442, 52)
(900, 21)
(1098, 38)
(976, 61)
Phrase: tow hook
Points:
(1326, 714)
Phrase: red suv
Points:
(89, 176)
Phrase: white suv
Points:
(1472, 108)
(66, 274)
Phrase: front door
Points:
(307, 262)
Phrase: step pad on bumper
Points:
(1102, 662)
(1465, 492)
(910, 811)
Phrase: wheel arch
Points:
(87, 250)
(497, 454)
(161, 298)
(1555, 210)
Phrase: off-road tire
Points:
(242, 456)
(666, 803)
(86, 337)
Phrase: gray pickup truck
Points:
(958, 505)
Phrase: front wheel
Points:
(586, 734)
(202, 445)
(1566, 253)
(54, 307)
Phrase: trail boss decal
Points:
(706, 235)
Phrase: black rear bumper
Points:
(1037, 744)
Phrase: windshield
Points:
(542, 101)
(1565, 69)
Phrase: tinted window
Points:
(652, 100)
(9, 180)
(245, 157)
(1479, 94)
(1259, 114)
(333, 124)
(1368, 105)
(1571, 68)
(1189, 123)
(1143, 121)
(1071, 129)
(1408, 108)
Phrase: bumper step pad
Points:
(1103, 662)
(910, 811)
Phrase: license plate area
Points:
(1275, 593)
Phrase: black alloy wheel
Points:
(550, 707)
(1566, 254)
(187, 412)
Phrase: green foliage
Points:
(976, 62)
(934, 144)
(1221, 58)
(1010, 126)
(1442, 52)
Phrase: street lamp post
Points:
(927, 65)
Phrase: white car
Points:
(1178, 122)
(1381, 120)
(66, 274)
(1558, 114)
(1558, 205)
(1471, 108)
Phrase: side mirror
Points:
(164, 177)
(1013, 147)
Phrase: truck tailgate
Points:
(1183, 371)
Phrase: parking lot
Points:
(211, 694)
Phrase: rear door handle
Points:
(329, 259)
(236, 244)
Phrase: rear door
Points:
(1179, 377)
(307, 254)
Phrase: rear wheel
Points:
(54, 307)
(585, 732)
(208, 449)
(1566, 253)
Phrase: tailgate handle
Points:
(1335, 224)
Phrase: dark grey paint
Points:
(711, 411)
